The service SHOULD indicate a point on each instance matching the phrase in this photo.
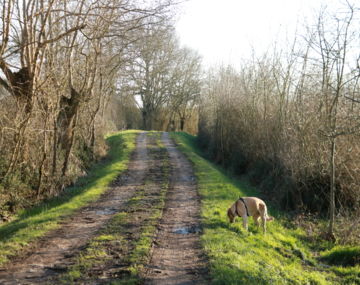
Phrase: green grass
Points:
(97, 251)
(282, 256)
(345, 256)
(37, 221)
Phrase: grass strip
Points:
(34, 223)
(282, 256)
(125, 242)
(141, 253)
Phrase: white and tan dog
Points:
(249, 206)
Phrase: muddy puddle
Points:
(106, 212)
(187, 230)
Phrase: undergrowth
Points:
(34, 223)
(283, 256)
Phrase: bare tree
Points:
(186, 86)
(333, 46)
(153, 71)
(26, 35)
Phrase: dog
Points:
(249, 206)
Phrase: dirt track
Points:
(176, 256)
(53, 254)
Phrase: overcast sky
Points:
(225, 31)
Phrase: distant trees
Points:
(152, 72)
(164, 78)
(291, 119)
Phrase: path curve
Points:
(54, 251)
(177, 255)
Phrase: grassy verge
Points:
(282, 256)
(34, 223)
(124, 244)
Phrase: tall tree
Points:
(153, 71)
(186, 86)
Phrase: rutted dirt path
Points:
(53, 253)
(131, 232)
(177, 256)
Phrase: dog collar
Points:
(247, 211)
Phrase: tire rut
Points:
(142, 215)
(54, 252)
(177, 255)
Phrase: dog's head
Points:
(230, 215)
(269, 218)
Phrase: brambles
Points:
(289, 119)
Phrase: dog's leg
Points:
(263, 219)
(256, 220)
(262, 210)
(245, 222)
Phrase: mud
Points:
(177, 256)
(140, 216)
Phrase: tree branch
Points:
(352, 99)
(5, 85)
(63, 35)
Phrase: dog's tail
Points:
(263, 209)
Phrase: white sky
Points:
(224, 31)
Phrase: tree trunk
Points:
(69, 147)
(55, 145)
(92, 140)
(66, 122)
(40, 178)
(20, 145)
(332, 188)
(147, 119)
(144, 118)
(182, 124)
